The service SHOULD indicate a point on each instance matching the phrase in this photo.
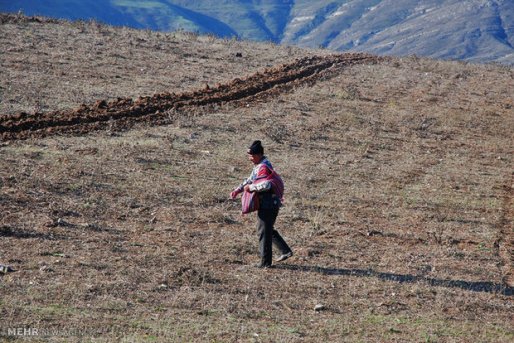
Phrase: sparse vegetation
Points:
(398, 197)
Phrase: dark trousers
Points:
(268, 236)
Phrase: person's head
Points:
(255, 152)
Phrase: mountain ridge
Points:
(476, 31)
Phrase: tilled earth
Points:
(123, 113)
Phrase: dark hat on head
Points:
(256, 148)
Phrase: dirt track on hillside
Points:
(123, 113)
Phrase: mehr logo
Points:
(22, 332)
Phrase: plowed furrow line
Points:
(124, 112)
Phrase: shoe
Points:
(263, 265)
(5, 269)
(284, 257)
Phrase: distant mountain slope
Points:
(101, 10)
(251, 19)
(473, 30)
(470, 30)
(156, 15)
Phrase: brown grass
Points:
(398, 198)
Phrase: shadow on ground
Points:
(474, 286)
(7, 231)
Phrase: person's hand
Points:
(247, 188)
(234, 193)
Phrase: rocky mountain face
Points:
(476, 30)
(471, 30)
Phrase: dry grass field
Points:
(398, 205)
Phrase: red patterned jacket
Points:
(264, 179)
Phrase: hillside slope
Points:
(398, 202)
(475, 30)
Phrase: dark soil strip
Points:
(123, 113)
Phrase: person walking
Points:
(269, 200)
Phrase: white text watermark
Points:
(49, 332)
